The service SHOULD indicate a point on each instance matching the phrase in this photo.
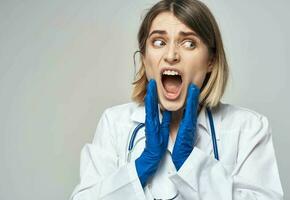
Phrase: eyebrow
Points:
(162, 32)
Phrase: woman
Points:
(189, 144)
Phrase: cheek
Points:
(151, 66)
(199, 78)
(148, 72)
(197, 71)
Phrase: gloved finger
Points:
(166, 119)
(165, 126)
(191, 103)
(151, 99)
(151, 105)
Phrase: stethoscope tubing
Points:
(212, 129)
(213, 135)
(134, 134)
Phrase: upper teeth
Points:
(170, 72)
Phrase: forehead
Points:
(167, 21)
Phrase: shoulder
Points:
(120, 112)
(237, 117)
(234, 111)
(113, 120)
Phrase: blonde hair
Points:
(197, 16)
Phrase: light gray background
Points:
(63, 62)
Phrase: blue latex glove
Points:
(185, 138)
(157, 135)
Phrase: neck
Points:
(176, 117)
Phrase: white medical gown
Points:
(246, 170)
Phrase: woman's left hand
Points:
(185, 138)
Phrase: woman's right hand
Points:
(157, 135)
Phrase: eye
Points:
(189, 44)
(158, 43)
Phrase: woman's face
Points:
(174, 57)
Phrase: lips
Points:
(171, 84)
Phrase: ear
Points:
(143, 59)
(142, 56)
(210, 65)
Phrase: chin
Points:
(171, 105)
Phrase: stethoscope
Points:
(212, 130)
(141, 125)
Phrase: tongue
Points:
(171, 83)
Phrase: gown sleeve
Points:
(255, 176)
(101, 177)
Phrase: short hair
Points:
(197, 16)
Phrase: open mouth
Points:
(172, 84)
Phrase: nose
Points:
(172, 54)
